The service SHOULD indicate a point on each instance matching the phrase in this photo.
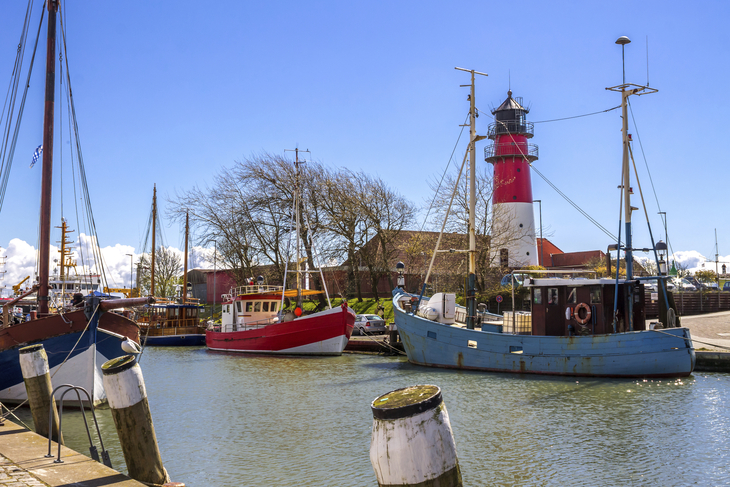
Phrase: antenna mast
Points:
(473, 138)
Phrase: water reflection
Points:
(229, 420)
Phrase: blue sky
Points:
(169, 92)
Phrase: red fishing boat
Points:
(252, 322)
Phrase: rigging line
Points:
(95, 247)
(578, 116)
(6, 174)
(574, 205)
(590, 218)
(643, 154)
(12, 92)
(442, 178)
(443, 226)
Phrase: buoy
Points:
(37, 379)
(412, 443)
(127, 398)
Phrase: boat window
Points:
(266, 307)
(274, 305)
(596, 295)
(472, 343)
(249, 307)
(572, 297)
(238, 306)
(257, 307)
(552, 296)
(537, 296)
(228, 308)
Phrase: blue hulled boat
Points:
(577, 326)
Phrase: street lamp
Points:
(661, 248)
(131, 270)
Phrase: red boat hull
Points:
(323, 333)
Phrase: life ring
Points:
(576, 313)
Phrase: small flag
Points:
(36, 155)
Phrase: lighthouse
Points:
(513, 220)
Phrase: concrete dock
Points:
(23, 463)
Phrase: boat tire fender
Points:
(671, 318)
(576, 313)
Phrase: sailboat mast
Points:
(296, 213)
(44, 247)
(185, 266)
(154, 232)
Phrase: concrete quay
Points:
(23, 463)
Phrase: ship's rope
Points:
(77, 342)
(691, 340)
(7, 148)
(573, 204)
(578, 116)
(381, 343)
(11, 412)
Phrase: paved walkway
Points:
(11, 475)
(713, 329)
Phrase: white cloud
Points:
(21, 261)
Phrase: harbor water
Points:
(232, 420)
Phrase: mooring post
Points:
(412, 443)
(37, 379)
(127, 398)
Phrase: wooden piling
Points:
(37, 379)
(412, 443)
(127, 398)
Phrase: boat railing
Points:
(251, 325)
(237, 291)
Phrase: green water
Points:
(231, 420)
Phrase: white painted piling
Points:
(412, 443)
(127, 398)
(37, 379)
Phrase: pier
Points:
(23, 462)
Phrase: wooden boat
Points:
(77, 339)
(171, 322)
(577, 326)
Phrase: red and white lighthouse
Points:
(513, 228)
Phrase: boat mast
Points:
(296, 213)
(626, 90)
(471, 269)
(44, 246)
(185, 265)
(154, 231)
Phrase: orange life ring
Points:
(576, 313)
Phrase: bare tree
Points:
(168, 270)
(494, 226)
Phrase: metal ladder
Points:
(92, 448)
